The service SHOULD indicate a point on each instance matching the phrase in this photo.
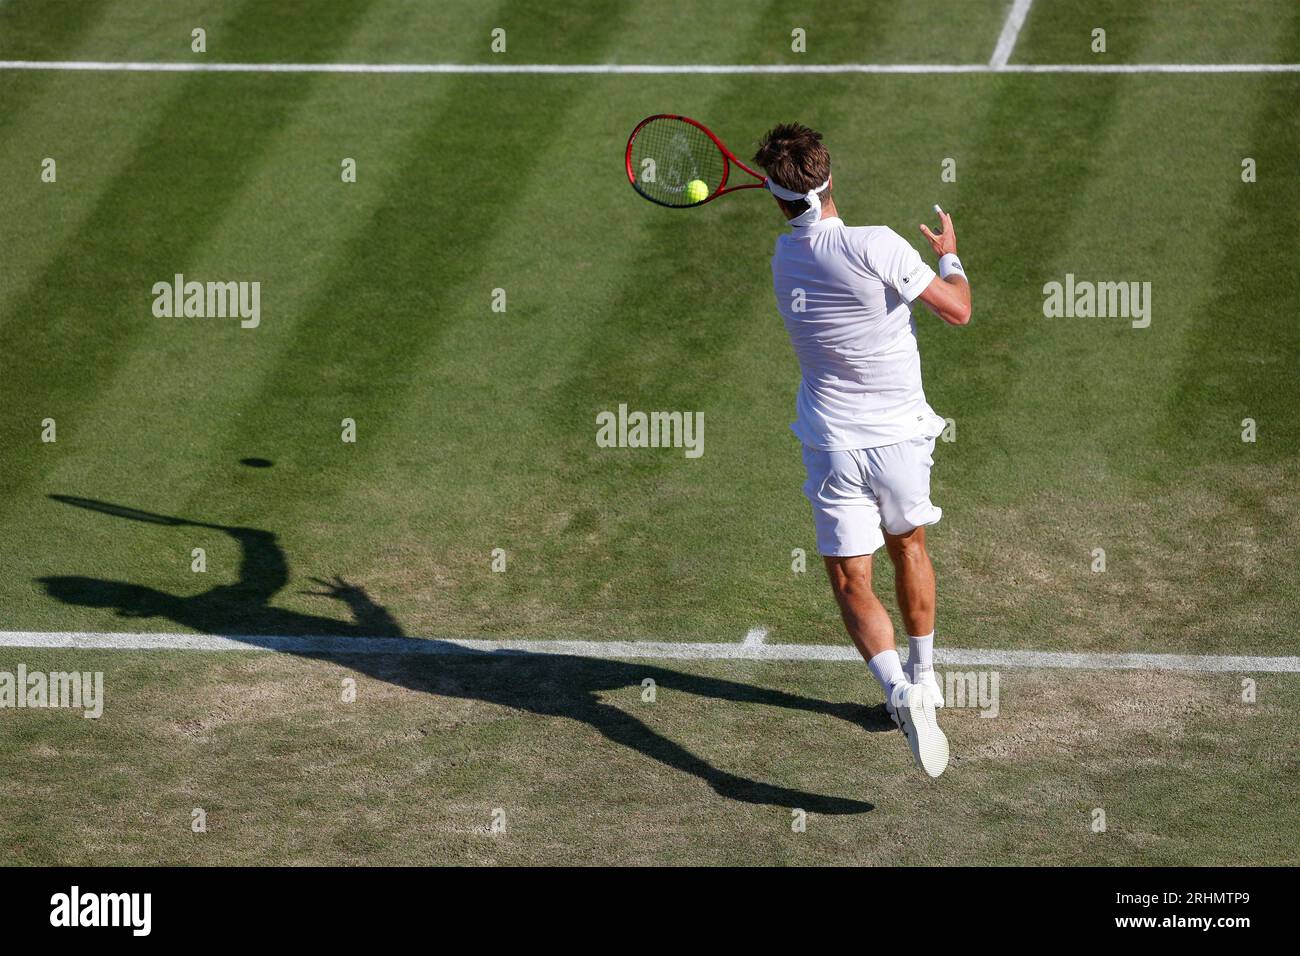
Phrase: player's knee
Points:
(850, 579)
(853, 592)
(854, 585)
(909, 546)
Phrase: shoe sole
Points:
(929, 744)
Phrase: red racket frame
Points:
(727, 155)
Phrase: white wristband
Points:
(949, 264)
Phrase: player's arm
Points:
(948, 296)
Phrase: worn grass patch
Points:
(579, 767)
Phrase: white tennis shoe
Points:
(927, 680)
(912, 708)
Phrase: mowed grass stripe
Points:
(1246, 367)
(46, 115)
(364, 340)
(60, 36)
(89, 125)
(289, 228)
(91, 302)
(1153, 214)
(1037, 142)
(1039, 133)
(1190, 31)
(695, 31)
(1095, 380)
(90, 150)
(39, 111)
(233, 491)
(1162, 197)
(1240, 360)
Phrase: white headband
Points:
(814, 210)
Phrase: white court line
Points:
(755, 637)
(642, 69)
(631, 650)
(1010, 32)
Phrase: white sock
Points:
(888, 669)
(920, 653)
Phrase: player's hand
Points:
(945, 241)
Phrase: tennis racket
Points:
(667, 153)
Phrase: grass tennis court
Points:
(475, 431)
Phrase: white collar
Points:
(827, 222)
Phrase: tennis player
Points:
(846, 294)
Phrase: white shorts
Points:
(855, 492)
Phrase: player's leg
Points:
(865, 618)
(910, 704)
(848, 518)
(914, 588)
(900, 477)
(848, 533)
(913, 579)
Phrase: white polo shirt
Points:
(846, 296)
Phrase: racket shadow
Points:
(546, 685)
(120, 511)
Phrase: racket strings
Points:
(668, 154)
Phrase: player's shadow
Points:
(545, 684)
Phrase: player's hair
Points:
(793, 156)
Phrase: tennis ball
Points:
(696, 191)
